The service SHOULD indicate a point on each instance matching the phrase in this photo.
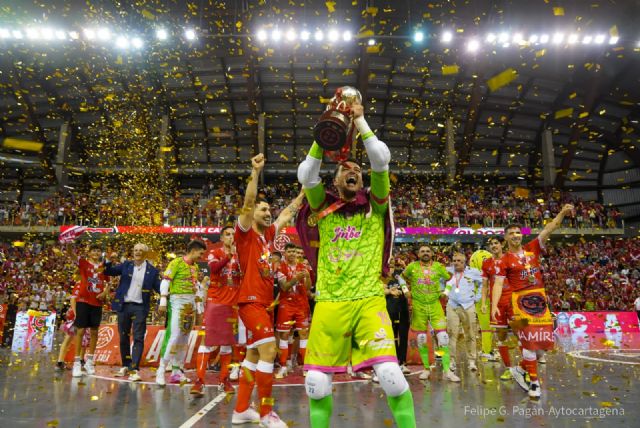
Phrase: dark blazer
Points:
(150, 283)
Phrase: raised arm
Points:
(309, 177)
(554, 224)
(245, 218)
(290, 212)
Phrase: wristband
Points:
(405, 289)
(163, 301)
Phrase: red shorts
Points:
(505, 315)
(258, 323)
(291, 316)
(220, 324)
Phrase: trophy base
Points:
(331, 131)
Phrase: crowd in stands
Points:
(416, 203)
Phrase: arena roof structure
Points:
(217, 76)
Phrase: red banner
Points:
(3, 317)
(597, 322)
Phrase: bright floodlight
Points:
(276, 35)
(544, 38)
(533, 38)
(262, 35)
(517, 38)
(89, 34)
(17, 34)
(573, 38)
(304, 35)
(599, 39)
(4, 33)
(319, 35)
(333, 35)
(473, 45)
(371, 42)
(346, 36)
(161, 34)
(122, 42)
(291, 35)
(418, 36)
(137, 42)
(74, 35)
(613, 40)
(491, 38)
(60, 35)
(503, 38)
(104, 34)
(447, 36)
(558, 38)
(32, 33)
(586, 40)
(190, 34)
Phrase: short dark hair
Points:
(290, 245)
(260, 200)
(498, 238)
(227, 227)
(339, 164)
(512, 226)
(94, 246)
(196, 244)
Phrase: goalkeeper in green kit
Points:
(348, 239)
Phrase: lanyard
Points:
(457, 280)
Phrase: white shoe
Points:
(542, 359)
(124, 371)
(518, 375)
(77, 369)
(134, 376)
(424, 375)
(451, 376)
(89, 367)
(272, 420)
(160, 376)
(282, 372)
(405, 369)
(472, 366)
(235, 372)
(249, 416)
(534, 390)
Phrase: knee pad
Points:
(529, 355)
(443, 338)
(317, 384)
(391, 378)
(225, 350)
(421, 339)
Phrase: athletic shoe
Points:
(405, 369)
(60, 366)
(160, 376)
(134, 376)
(424, 374)
(542, 359)
(89, 367)
(235, 372)
(272, 420)
(375, 379)
(197, 388)
(179, 377)
(226, 386)
(472, 366)
(518, 375)
(491, 357)
(77, 369)
(282, 372)
(124, 371)
(451, 376)
(534, 390)
(249, 416)
(506, 375)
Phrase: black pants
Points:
(132, 314)
(400, 323)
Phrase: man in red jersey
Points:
(220, 321)
(501, 323)
(87, 299)
(531, 320)
(293, 309)
(254, 237)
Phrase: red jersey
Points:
(253, 254)
(522, 270)
(92, 282)
(489, 269)
(296, 296)
(225, 282)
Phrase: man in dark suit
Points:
(138, 278)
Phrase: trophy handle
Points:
(342, 105)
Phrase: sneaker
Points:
(160, 376)
(282, 372)
(89, 367)
(134, 376)
(60, 366)
(424, 374)
(518, 375)
(124, 371)
(534, 390)
(542, 359)
(506, 375)
(226, 386)
(405, 369)
(179, 377)
(375, 379)
(491, 357)
(235, 372)
(249, 416)
(472, 366)
(197, 388)
(451, 376)
(77, 369)
(272, 420)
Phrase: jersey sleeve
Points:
(534, 246)
(380, 188)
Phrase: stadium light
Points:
(190, 34)
(262, 35)
(518, 39)
(32, 33)
(17, 34)
(418, 36)
(599, 39)
(371, 42)
(104, 34)
(347, 36)
(319, 35)
(544, 38)
(613, 40)
(122, 42)
(333, 35)
(573, 39)
(4, 33)
(276, 35)
(161, 34)
(291, 35)
(491, 38)
(447, 36)
(47, 33)
(137, 42)
(503, 38)
(533, 38)
(558, 38)
(74, 35)
(473, 45)
(586, 40)
(304, 35)
(61, 35)
(89, 34)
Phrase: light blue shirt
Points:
(464, 288)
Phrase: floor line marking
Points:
(578, 354)
(206, 409)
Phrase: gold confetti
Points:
(502, 79)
